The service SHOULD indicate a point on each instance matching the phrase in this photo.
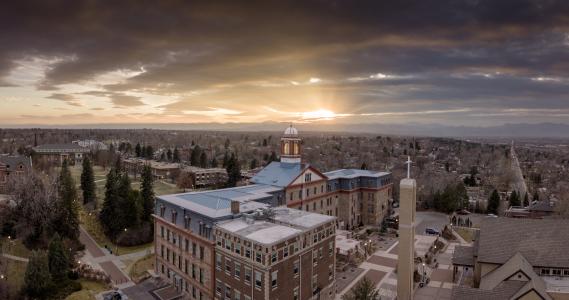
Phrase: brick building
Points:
(13, 166)
(57, 153)
(200, 236)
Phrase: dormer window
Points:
(174, 215)
(187, 222)
(162, 211)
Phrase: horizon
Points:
(473, 64)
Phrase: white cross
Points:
(408, 162)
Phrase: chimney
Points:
(235, 207)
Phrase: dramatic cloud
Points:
(350, 61)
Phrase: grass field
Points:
(140, 267)
(90, 289)
(15, 247)
(465, 233)
(15, 271)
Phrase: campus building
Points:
(57, 153)
(281, 226)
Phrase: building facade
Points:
(272, 239)
(13, 166)
(57, 153)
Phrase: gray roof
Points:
(217, 203)
(544, 206)
(543, 242)
(14, 161)
(353, 173)
(279, 174)
(61, 147)
(503, 291)
(463, 256)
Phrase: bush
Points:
(136, 236)
(66, 289)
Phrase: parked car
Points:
(431, 231)
(115, 295)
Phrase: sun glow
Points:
(321, 114)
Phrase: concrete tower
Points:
(290, 146)
(406, 264)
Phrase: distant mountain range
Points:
(519, 130)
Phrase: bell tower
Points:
(290, 146)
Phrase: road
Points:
(518, 184)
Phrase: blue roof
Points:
(217, 203)
(279, 174)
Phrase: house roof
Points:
(543, 242)
(544, 206)
(353, 173)
(463, 256)
(279, 174)
(217, 203)
(14, 161)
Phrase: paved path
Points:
(12, 257)
(519, 183)
(90, 243)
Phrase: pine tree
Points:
(364, 166)
(37, 279)
(514, 199)
(169, 154)
(253, 164)
(66, 219)
(108, 216)
(225, 159)
(535, 196)
(127, 209)
(214, 162)
(493, 203)
(88, 182)
(147, 194)
(233, 171)
(138, 150)
(195, 156)
(526, 200)
(226, 145)
(176, 155)
(273, 156)
(149, 154)
(58, 259)
(203, 160)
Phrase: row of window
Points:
(173, 238)
(234, 269)
(554, 272)
(195, 293)
(195, 272)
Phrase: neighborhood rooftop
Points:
(279, 174)
(285, 224)
(353, 173)
(217, 203)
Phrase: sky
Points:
(466, 63)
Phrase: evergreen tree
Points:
(37, 279)
(138, 150)
(273, 156)
(493, 203)
(88, 182)
(176, 155)
(128, 211)
(514, 199)
(233, 171)
(195, 156)
(364, 290)
(364, 166)
(214, 162)
(162, 156)
(526, 200)
(108, 216)
(147, 194)
(253, 164)
(169, 154)
(149, 152)
(203, 160)
(535, 196)
(264, 142)
(58, 259)
(225, 159)
(226, 145)
(66, 219)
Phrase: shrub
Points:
(136, 236)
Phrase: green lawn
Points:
(465, 233)
(15, 247)
(140, 267)
(90, 289)
(92, 225)
(15, 271)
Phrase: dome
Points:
(291, 131)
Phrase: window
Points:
(202, 253)
(330, 248)
(227, 292)
(291, 196)
(314, 283)
(194, 246)
(274, 257)
(162, 210)
(193, 271)
(248, 253)
(187, 222)
(162, 231)
(174, 216)
(218, 261)
(227, 266)
(228, 244)
(307, 193)
(545, 271)
(247, 275)
(237, 295)
(218, 287)
(258, 257)
(295, 267)
(258, 279)
(237, 270)
(320, 252)
(314, 257)
(295, 294)
(187, 245)
(201, 275)
(274, 279)
(285, 252)
(238, 249)
(556, 272)
(300, 194)
(565, 272)
(330, 272)
(315, 191)
(247, 297)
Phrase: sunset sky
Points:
(472, 62)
